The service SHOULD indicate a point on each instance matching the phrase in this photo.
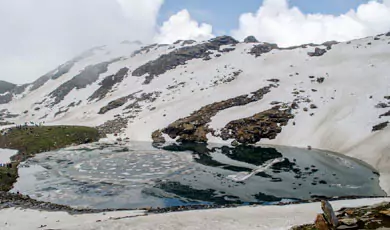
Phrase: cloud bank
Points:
(38, 35)
(182, 26)
(277, 22)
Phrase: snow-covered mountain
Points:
(333, 96)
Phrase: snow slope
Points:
(261, 217)
(356, 80)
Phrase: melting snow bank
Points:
(260, 217)
(6, 154)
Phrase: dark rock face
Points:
(180, 57)
(258, 50)
(133, 107)
(108, 83)
(380, 126)
(4, 99)
(6, 86)
(89, 75)
(116, 103)
(194, 127)
(250, 130)
(317, 52)
(62, 69)
(7, 97)
(388, 34)
(251, 39)
(387, 114)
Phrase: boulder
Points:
(251, 39)
(317, 52)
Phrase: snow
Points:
(259, 217)
(6, 154)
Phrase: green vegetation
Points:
(33, 140)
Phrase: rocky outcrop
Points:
(380, 126)
(317, 52)
(367, 217)
(88, 76)
(6, 86)
(116, 103)
(251, 39)
(107, 84)
(180, 57)
(113, 126)
(194, 128)
(144, 97)
(250, 130)
(258, 50)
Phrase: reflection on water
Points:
(138, 175)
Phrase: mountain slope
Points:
(334, 96)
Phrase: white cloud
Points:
(38, 35)
(181, 26)
(276, 22)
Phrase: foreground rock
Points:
(368, 217)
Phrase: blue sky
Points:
(224, 14)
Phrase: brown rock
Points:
(321, 223)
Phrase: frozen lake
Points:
(138, 175)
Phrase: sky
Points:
(38, 35)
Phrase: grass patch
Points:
(33, 140)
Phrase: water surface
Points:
(136, 175)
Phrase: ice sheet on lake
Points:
(243, 176)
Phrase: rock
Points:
(267, 124)
(309, 147)
(388, 34)
(320, 80)
(329, 214)
(235, 143)
(385, 212)
(317, 52)
(313, 106)
(305, 109)
(274, 80)
(258, 50)
(380, 126)
(157, 137)
(376, 38)
(381, 105)
(294, 105)
(349, 221)
(321, 223)
(251, 39)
